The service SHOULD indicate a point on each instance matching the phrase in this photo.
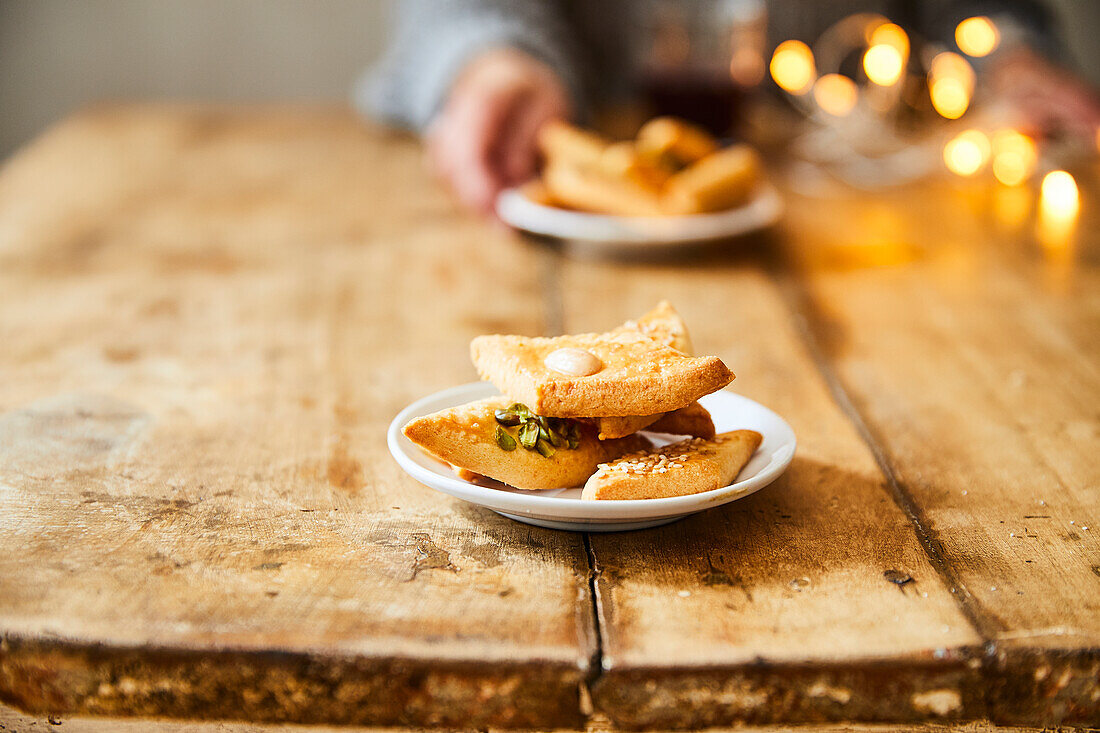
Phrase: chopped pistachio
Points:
(529, 434)
(508, 417)
(504, 440)
(557, 439)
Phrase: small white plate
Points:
(638, 232)
(563, 508)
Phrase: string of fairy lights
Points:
(942, 79)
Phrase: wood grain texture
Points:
(210, 317)
(971, 354)
(785, 606)
(15, 722)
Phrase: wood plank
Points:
(975, 366)
(16, 722)
(784, 606)
(209, 318)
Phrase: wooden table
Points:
(209, 316)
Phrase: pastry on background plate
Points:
(671, 168)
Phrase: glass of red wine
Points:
(697, 59)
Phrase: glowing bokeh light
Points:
(1058, 196)
(889, 34)
(951, 83)
(1010, 168)
(977, 36)
(1059, 205)
(836, 94)
(883, 64)
(792, 67)
(950, 98)
(948, 65)
(1014, 157)
(966, 153)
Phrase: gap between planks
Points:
(802, 313)
(805, 318)
(553, 301)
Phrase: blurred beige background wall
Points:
(56, 55)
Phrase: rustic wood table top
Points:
(210, 315)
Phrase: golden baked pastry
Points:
(671, 168)
(717, 182)
(624, 160)
(477, 440)
(589, 188)
(684, 141)
(692, 420)
(560, 141)
(624, 373)
(688, 467)
(664, 324)
(608, 428)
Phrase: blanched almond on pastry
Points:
(466, 437)
(688, 467)
(574, 362)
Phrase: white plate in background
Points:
(638, 232)
(563, 508)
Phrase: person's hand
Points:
(1049, 98)
(484, 138)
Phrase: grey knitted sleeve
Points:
(432, 40)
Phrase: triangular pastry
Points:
(664, 324)
(468, 437)
(691, 420)
(688, 467)
(629, 371)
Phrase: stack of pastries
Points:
(576, 410)
(671, 168)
